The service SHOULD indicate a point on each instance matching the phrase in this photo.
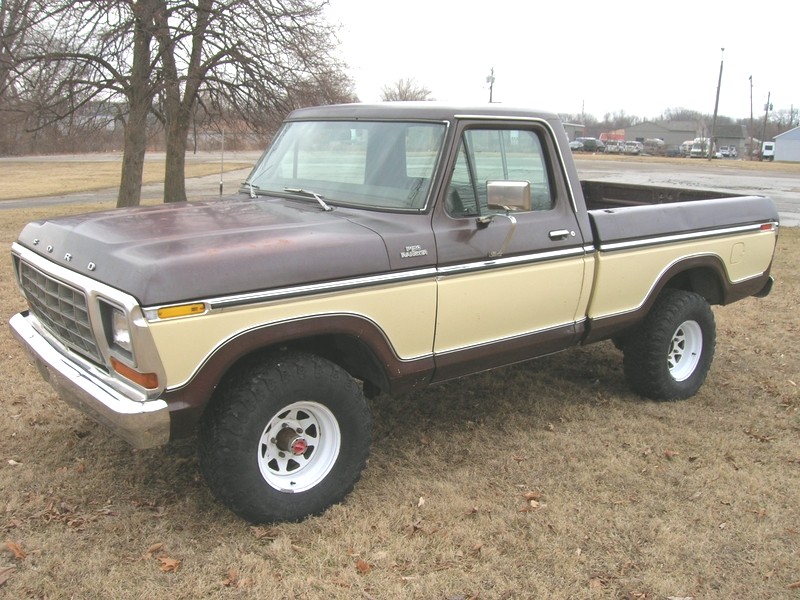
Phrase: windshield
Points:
(375, 164)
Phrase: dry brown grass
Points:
(625, 498)
(27, 179)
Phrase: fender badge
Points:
(412, 251)
(68, 257)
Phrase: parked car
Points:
(634, 147)
(699, 148)
(728, 151)
(591, 144)
(614, 146)
(768, 151)
(654, 146)
(576, 146)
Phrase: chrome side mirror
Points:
(511, 196)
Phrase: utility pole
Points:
(767, 107)
(751, 118)
(490, 81)
(716, 107)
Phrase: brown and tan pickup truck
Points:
(373, 249)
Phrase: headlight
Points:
(121, 330)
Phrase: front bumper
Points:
(142, 424)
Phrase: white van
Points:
(699, 148)
(768, 151)
(633, 147)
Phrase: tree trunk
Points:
(130, 185)
(175, 175)
(140, 98)
(179, 110)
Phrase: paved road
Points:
(782, 187)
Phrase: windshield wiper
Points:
(252, 188)
(310, 194)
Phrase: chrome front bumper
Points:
(142, 424)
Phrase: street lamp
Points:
(716, 107)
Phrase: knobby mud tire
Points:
(240, 458)
(669, 355)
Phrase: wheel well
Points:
(704, 281)
(350, 353)
(347, 351)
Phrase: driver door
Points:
(512, 274)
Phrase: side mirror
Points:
(511, 196)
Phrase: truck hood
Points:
(185, 251)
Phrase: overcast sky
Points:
(570, 56)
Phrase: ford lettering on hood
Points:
(192, 250)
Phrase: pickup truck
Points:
(373, 249)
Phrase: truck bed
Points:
(604, 194)
(621, 212)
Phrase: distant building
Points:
(573, 130)
(732, 135)
(675, 133)
(787, 145)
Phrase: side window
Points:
(461, 200)
(497, 155)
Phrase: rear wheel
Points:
(670, 353)
(285, 438)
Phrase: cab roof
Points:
(434, 111)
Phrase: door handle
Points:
(560, 234)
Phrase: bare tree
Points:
(87, 53)
(17, 21)
(250, 56)
(583, 119)
(171, 58)
(139, 87)
(405, 90)
(681, 114)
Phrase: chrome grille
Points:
(61, 309)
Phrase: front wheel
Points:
(285, 438)
(670, 353)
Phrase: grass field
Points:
(544, 480)
(30, 179)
